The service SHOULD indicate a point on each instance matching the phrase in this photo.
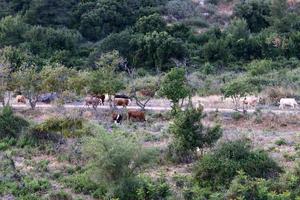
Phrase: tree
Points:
(105, 79)
(29, 82)
(10, 59)
(12, 30)
(48, 12)
(155, 50)
(189, 134)
(255, 12)
(97, 19)
(174, 86)
(283, 19)
(237, 89)
(150, 23)
(56, 78)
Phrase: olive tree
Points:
(56, 78)
(30, 82)
(237, 89)
(105, 79)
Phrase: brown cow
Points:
(93, 101)
(21, 99)
(136, 114)
(121, 102)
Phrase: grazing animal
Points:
(47, 98)
(93, 101)
(101, 97)
(200, 106)
(121, 102)
(135, 114)
(21, 99)
(117, 118)
(122, 96)
(251, 101)
(288, 102)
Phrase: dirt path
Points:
(159, 108)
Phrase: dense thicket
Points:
(75, 33)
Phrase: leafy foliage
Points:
(190, 135)
(174, 86)
(10, 124)
(220, 167)
(117, 161)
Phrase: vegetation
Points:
(219, 168)
(168, 49)
(190, 135)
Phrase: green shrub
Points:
(155, 190)
(218, 168)
(237, 116)
(189, 134)
(56, 128)
(3, 146)
(61, 195)
(260, 67)
(246, 187)
(11, 125)
(281, 142)
(81, 183)
(26, 189)
(116, 160)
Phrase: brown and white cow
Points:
(117, 118)
(137, 115)
(21, 99)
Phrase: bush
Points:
(65, 127)
(155, 190)
(260, 67)
(189, 134)
(237, 116)
(245, 187)
(11, 125)
(61, 195)
(218, 168)
(281, 142)
(115, 162)
(81, 183)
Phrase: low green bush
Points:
(281, 142)
(61, 195)
(218, 168)
(10, 124)
(26, 189)
(81, 183)
(150, 189)
(54, 129)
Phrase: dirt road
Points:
(158, 108)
